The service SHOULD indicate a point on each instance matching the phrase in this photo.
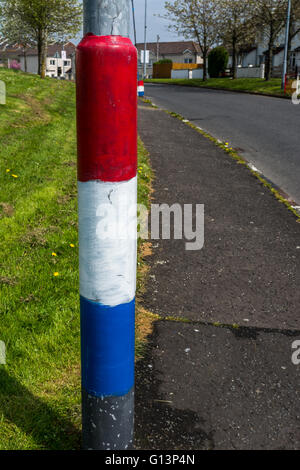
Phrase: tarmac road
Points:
(201, 385)
(266, 131)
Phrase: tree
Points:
(217, 61)
(44, 20)
(164, 61)
(294, 24)
(13, 29)
(270, 18)
(236, 28)
(196, 19)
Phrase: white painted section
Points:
(253, 168)
(107, 241)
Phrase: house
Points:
(56, 66)
(28, 58)
(255, 55)
(186, 52)
(9, 52)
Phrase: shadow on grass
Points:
(47, 427)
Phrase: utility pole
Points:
(145, 42)
(157, 48)
(134, 25)
(106, 18)
(106, 80)
(288, 19)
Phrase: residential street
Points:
(202, 385)
(264, 130)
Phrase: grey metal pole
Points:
(106, 17)
(145, 41)
(288, 19)
(134, 25)
(107, 419)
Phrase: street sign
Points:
(147, 57)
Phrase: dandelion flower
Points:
(15, 176)
(56, 274)
(8, 170)
(54, 254)
(71, 245)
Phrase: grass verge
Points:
(39, 311)
(249, 85)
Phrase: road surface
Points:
(264, 130)
(199, 385)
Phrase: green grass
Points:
(39, 311)
(253, 85)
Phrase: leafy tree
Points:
(43, 20)
(217, 61)
(270, 18)
(236, 26)
(13, 29)
(197, 19)
(294, 24)
(164, 61)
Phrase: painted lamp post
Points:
(107, 192)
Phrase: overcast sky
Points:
(156, 26)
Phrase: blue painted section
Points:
(107, 348)
(141, 93)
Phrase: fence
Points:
(187, 74)
(251, 72)
(167, 70)
(162, 70)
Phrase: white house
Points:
(254, 55)
(56, 64)
(187, 52)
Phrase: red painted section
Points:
(106, 108)
(140, 83)
(285, 82)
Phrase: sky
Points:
(156, 26)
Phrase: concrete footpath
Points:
(218, 370)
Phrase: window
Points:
(66, 62)
(52, 62)
(188, 61)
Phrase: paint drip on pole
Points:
(107, 184)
